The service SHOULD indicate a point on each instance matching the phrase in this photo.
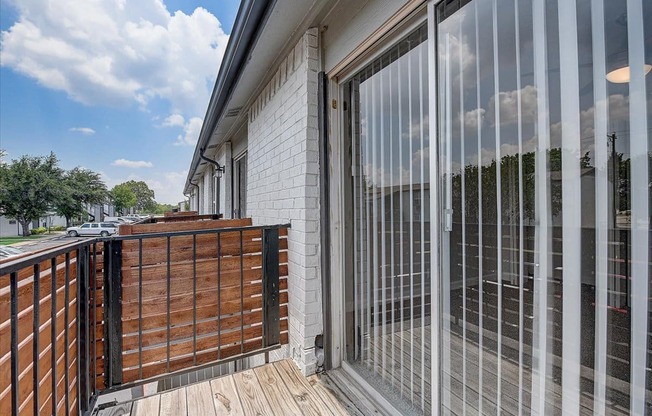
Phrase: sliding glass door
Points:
(388, 293)
(545, 117)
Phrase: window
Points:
(86, 226)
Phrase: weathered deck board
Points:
(305, 396)
(225, 397)
(200, 400)
(173, 403)
(122, 409)
(277, 393)
(277, 389)
(251, 394)
(147, 407)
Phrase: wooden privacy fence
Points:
(43, 352)
(160, 299)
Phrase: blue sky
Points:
(116, 86)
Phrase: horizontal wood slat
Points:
(182, 226)
(27, 338)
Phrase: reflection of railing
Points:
(483, 258)
(137, 308)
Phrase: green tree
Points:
(29, 187)
(144, 196)
(122, 197)
(162, 209)
(79, 188)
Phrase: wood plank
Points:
(333, 397)
(305, 396)
(173, 403)
(202, 267)
(203, 357)
(187, 301)
(159, 353)
(199, 399)
(182, 226)
(251, 394)
(158, 336)
(149, 406)
(225, 397)
(120, 409)
(353, 394)
(210, 311)
(184, 284)
(277, 394)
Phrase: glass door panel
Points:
(545, 110)
(389, 295)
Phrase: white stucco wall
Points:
(283, 184)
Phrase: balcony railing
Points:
(100, 315)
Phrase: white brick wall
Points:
(283, 184)
(207, 191)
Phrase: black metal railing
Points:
(129, 319)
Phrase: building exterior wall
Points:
(207, 186)
(9, 227)
(283, 184)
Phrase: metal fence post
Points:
(113, 312)
(83, 352)
(271, 311)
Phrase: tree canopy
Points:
(29, 188)
(123, 197)
(144, 196)
(80, 187)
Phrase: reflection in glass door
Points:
(545, 171)
(388, 293)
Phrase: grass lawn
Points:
(5, 241)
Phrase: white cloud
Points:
(471, 118)
(191, 132)
(174, 120)
(509, 106)
(117, 52)
(134, 164)
(86, 131)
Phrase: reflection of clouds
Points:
(618, 106)
(508, 101)
(471, 118)
(451, 60)
(399, 175)
(415, 128)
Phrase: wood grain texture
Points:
(332, 396)
(121, 409)
(200, 399)
(225, 397)
(149, 406)
(251, 394)
(278, 395)
(173, 403)
(304, 395)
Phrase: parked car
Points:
(7, 252)
(103, 229)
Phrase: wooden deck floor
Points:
(273, 389)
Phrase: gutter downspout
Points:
(324, 219)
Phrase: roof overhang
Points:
(262, 35)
